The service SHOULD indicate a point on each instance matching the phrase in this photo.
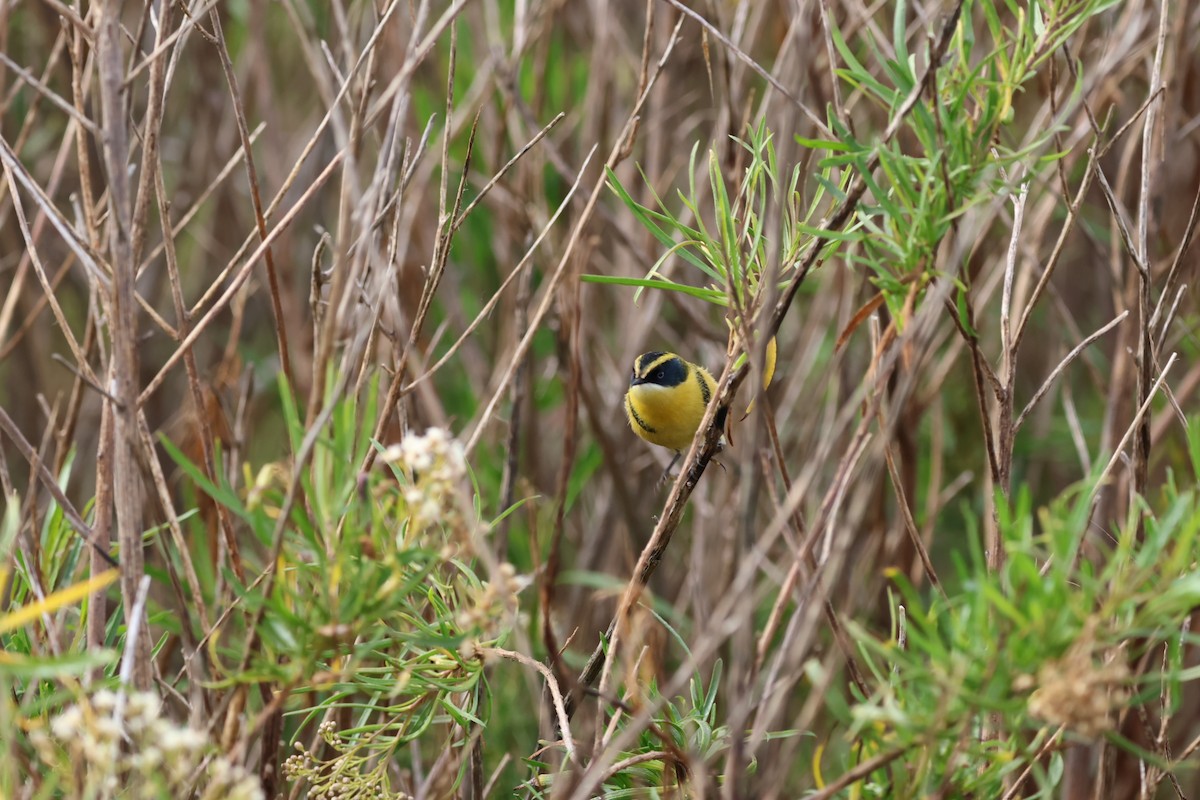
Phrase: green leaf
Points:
(899, 24)
(708, 295)
(221, 494)
(648, 218)
(856, 73)
(38, 668)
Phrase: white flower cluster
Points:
(340, 778)
(104, 747)
(435, 463)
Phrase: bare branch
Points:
(1071, 356)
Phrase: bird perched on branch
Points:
(667, 398)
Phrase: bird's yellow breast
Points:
(668, 416)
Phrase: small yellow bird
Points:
(667, 398)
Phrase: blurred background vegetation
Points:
(316, 321)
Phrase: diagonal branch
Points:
(705, 444)
(1071, 356)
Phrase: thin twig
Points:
(487, 187)
(1010, 268)
(910, 524)
(50, 94)
(518, 270)
(745, 58)
(1071, 356)
(564, 722)
(242, 275)
(14, 434)
(859, 772)
(1018, 785)
(239, 114)
(1118, 451)
(548, 291)
(87, 379)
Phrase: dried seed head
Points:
(1079, 692)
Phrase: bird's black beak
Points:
(634, 380)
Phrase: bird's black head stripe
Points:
(645, 360)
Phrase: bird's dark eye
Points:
(661, 375)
